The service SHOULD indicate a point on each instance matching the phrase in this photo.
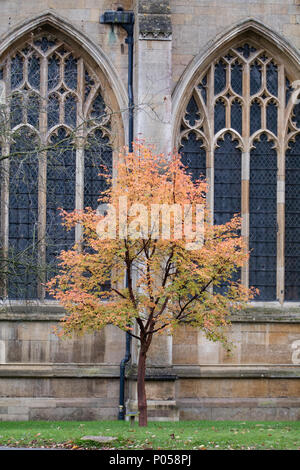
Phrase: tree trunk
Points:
(141, 390)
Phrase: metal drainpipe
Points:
(125, 19)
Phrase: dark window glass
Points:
(292, 221)
(61, 170)
(193, 156)
(255, 78)
(236, 116)
(70, 111)
(272, 117)
(192, 112)
(53, 110)
(220, 77)
(246, 50)
(272, 78)
(288, 90)
(255, 116)
(33, 110)
(16, 71)
(16, 109)
(203, 88)
(23, 216)
(34, 71)
(237, 78)
(263, 222)
(227, 189)
(53, 72)
(98, 153)
(70, 72)
(220, 115)
(296, 115)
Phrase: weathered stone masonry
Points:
(43, 377)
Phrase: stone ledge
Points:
(153, 373)
(59, 370)
(269, 312)
(263, 402)
(157, 410)
(282, 371)
(66, 370)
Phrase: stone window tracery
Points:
(56, 132)
(241, 130)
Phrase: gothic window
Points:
(241, 130)
(55, 135)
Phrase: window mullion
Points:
(42, 179)
(246, 170)
(5, 180)
(5, 211)
(281, 185)
(80, 147)
(210, 149)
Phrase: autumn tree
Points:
(150, 259)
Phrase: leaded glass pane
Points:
(255, 78)
(237, 78)
(296, 115)
(98, 108)
(34, 71)
(16, 109)
(227, 186)
(33, 110)
(53, 72)
(193, 156)
(272, 78)
(220, 77)
(255, 116)
(192, 112)
(89, 83)
(263, 218)
(292, 221)
(98, 153)
(70, 72)
(44, 43)
(70, 111)
(220, 115)
(272, 117)
(288, 90)
(236, 116)
(23, 216)
(16, 71)
(61, 171)
(53, 111)
(246, 50)
(203, 88)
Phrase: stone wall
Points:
(198, 23)
(43, 377)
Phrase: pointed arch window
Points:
(56, 131)
(243, 120)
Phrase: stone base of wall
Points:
(158, 410)
(57, 409)
(236, 409)
(91, 392)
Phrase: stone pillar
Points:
(152, 95)
(153, 62)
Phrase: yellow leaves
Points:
(172, 284)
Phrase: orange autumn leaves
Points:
(151, 254)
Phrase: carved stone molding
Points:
(154, 20)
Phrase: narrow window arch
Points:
(60, 113)
(248, 127)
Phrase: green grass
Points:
(158, 435)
